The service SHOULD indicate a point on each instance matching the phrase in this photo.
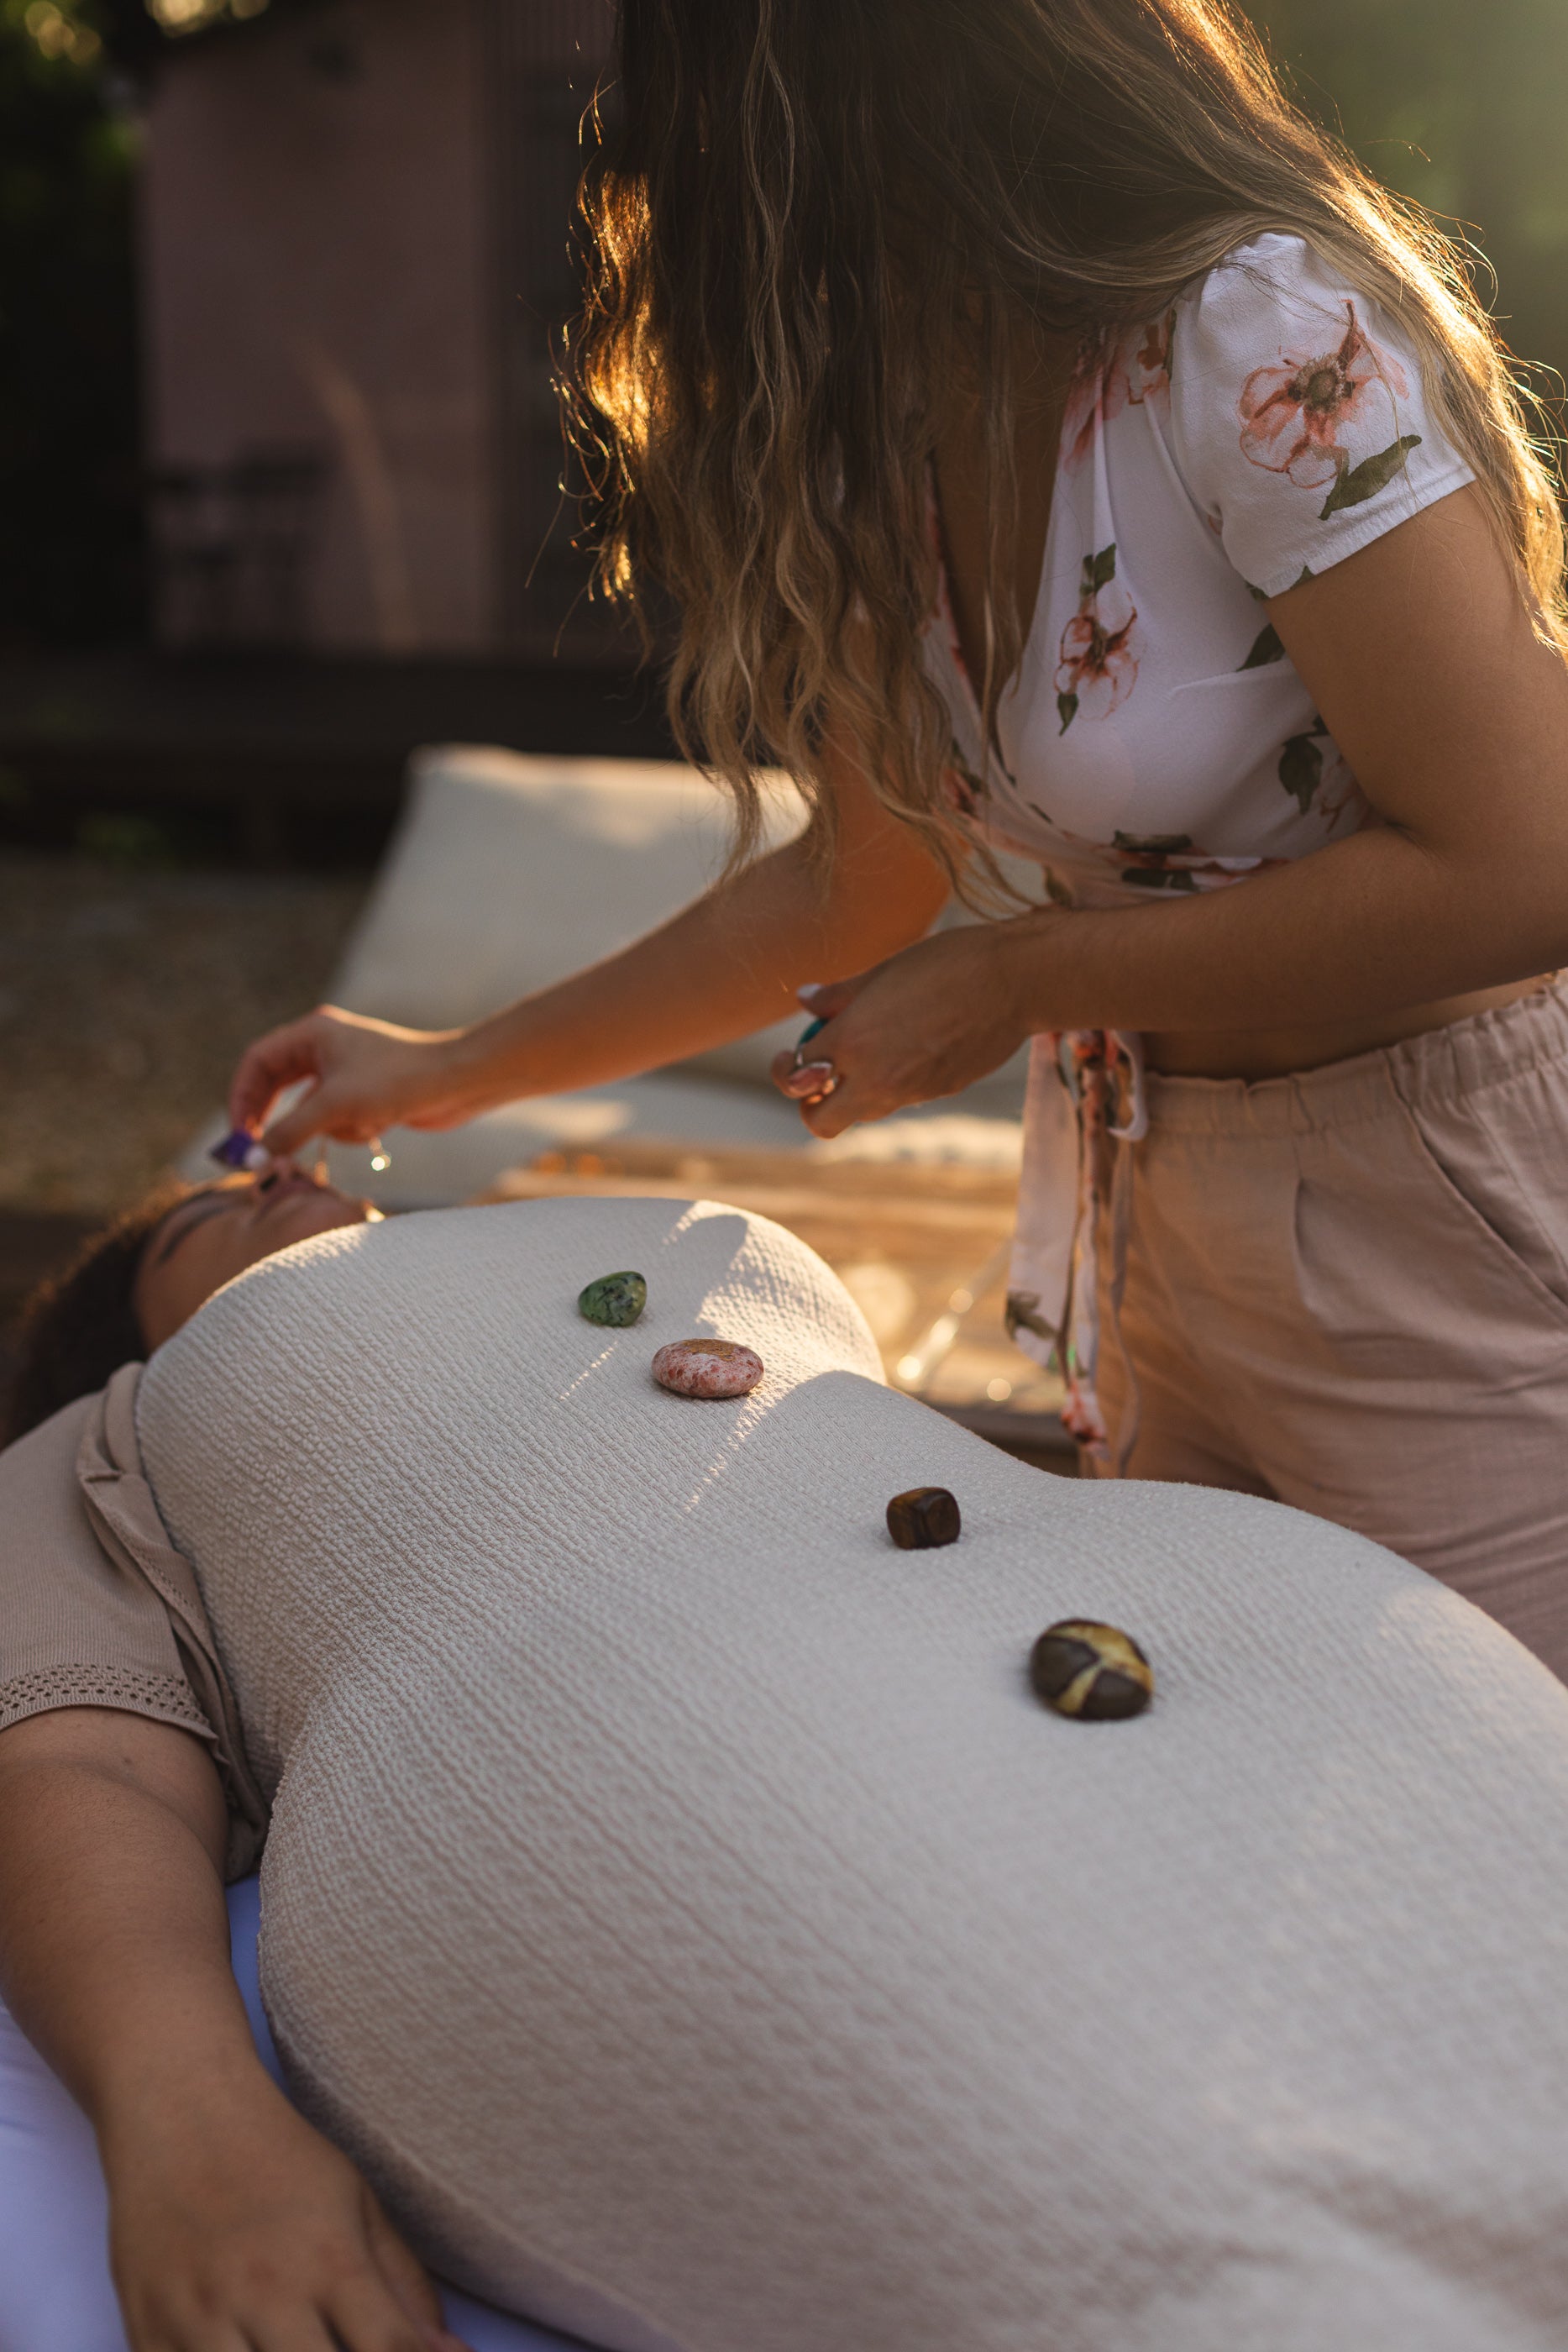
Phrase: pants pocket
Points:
(1469, 1160)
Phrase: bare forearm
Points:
(724, 966)
(231, 2220)
(113, 1939)
(1370, 924)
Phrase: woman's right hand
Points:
(364, 1076)
(232, 2222)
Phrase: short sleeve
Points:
(78, 1628)
(97, 1606)
(1298, 420)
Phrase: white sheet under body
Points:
(55, 2291)
(678, 1904)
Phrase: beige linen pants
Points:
(1348, 1290)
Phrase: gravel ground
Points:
(125, 996)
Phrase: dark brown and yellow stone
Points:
(1093, 1672)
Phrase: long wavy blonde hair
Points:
(818, 217)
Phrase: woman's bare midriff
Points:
(1275, 1053)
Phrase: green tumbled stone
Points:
(615, 1298)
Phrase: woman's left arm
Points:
(232, 2222)
(1454, 718)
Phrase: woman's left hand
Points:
(233, 2221)
(929, 1022)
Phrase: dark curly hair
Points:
(78, 1327)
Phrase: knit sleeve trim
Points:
(167, 1698)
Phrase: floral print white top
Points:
(1158, 738)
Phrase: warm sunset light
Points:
(191, 15)
(783, 1175)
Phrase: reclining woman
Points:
(678, 1915)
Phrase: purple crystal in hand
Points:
(239, 1149)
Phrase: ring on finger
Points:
(804, 1039)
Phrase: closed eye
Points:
(190, 1215)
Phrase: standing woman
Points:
(1052, 442)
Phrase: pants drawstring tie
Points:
(1116, 1283)
(1103, 1073)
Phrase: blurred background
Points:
(279, 468)
(281, 475)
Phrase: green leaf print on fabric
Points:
(1158, 877)
(1353, 485)
(1096, 668)
(1023, 1315)
(1301, 768)
(1156, 847)
(1260, 595)
(1098, 571)
(1266, 647)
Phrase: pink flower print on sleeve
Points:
(1097, 670)
(1292, 415)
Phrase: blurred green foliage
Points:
(128, 837)
(1462, 104)
(70, 500)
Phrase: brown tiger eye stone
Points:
(923, 1517)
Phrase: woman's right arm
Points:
(724, 966)
(232, 2222)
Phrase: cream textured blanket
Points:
(678, 1903)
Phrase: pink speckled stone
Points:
(707, 1368)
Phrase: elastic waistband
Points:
(1436, 1065)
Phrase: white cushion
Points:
(509, 871)
(677, 1901)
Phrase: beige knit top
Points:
(96, 1607)
(674, 1899)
